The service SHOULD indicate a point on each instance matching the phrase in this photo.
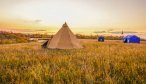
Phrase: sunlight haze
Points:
(83, 16)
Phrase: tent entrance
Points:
(125, 40)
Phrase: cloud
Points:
(32, 30)
(126, 32)
(109, 30)
(38, 21)
(115, 32)
(32, 21)
(40, 30)
(105, 31)
(100, 32)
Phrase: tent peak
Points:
(65, 25)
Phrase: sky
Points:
(83, 16)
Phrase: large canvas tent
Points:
(64, 39)
(131, 39)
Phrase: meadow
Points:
(111, 62)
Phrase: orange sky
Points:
(83, 16)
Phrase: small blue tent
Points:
(131, 39)
(101, 39)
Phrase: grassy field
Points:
(101, 63)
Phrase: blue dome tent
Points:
(131, 39)
(101, 39)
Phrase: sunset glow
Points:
(83, 16)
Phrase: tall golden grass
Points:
(100, 63)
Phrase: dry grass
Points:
(109, 62)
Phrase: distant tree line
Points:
(10, 37)
(110, 37)
(96, 36)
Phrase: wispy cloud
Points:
(126, 32)
(105, 31)
(33, 21)
(40, 30)
(110, 30)
(99, 32)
